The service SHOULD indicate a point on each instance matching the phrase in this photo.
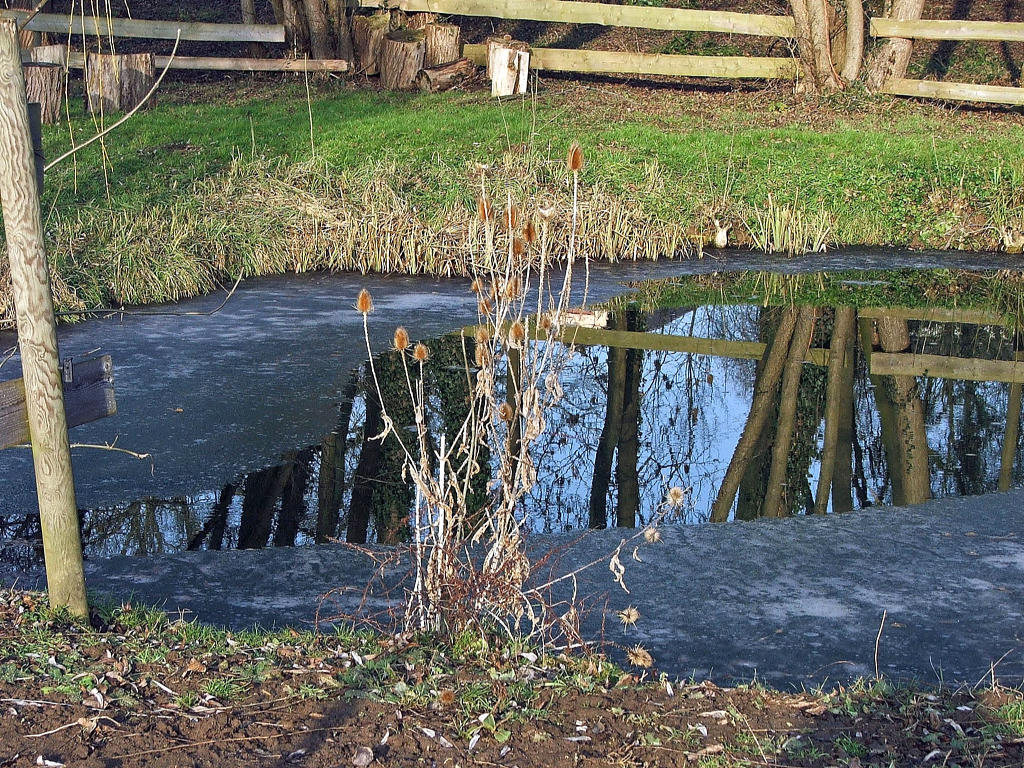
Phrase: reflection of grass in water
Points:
(1000, 291)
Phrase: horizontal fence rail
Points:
(610, 62)
(76, 60)
(99, 26)
(676, 19)
(937, 89)
(929, 29)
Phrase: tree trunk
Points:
(401, 59)
(853, 56)
(811, 20)
(446, 76)
(508, 66)
(604, 459)
(776, 501)
(840, 350)
(444, 44)
(337, 15)
(44, 84)
(103, 83)
(367, 471)
(293, 501)
(765, 389)
(295, 29)
(1011, 437)
(319, 30)
(137, 77)
(627, 480)
(367, 36)
(256, 50)
(842, 480)
(890, 59)
(262, 490)
(420, 20)
(331, 485)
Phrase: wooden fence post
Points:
(37, 336)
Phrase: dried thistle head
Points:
(530, 233)
(546, 209)
(505, 412)
(511, 218)
(639, 656)
(629, 616)
(652, 535)
(364, 302)
(675, 496)
(420, 353)
(482, 335)
(485, 210)
(575, 159)
(401, 339)
(446, 697)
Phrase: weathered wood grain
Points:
(101, 26)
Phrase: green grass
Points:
(198, 191)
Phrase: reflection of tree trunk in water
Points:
(331, 485)
(840, 354)
(907, 439)
(842, 478)
(610, 432)
(970, 478)
(217, 522)
(262, 490)
(626, 480)
(293, 501)
(776, 496)
(1011, 436)
(367, 471)
(761, 408)
(513, 396)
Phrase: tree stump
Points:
(44, 83)
(508, 66)
(137, 77)
(401, 59)
(445, 76)
(367, 35)
(444, 44)
(102, 83)
(420, 20)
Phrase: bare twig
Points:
(878, 640)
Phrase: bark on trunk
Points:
(890, 59)
(508, 66)
(420, 20)
(842, 480)
(853, 56)
(44, 83)
(444, 44)
(776, 499)
(367, 36)
(319, 30)
(765, 389)
(603, 461)
(103, 83)
(446, 76)
(811, 21)
(626, 477)
(840, 350)
(295, 29)
(401, 59)
(137, 77)
(256, 50)
(1011, 437)
(338, 18)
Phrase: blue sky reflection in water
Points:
(674, 418)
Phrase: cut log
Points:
(401, 59)
(444, 44)
(445, 76)
(50, 54)
(137, 77)
(44, 83)
(420, 20)
(102, 83)
(508, 65)
(367, 35)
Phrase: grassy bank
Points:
(138, 689)
(217, 182)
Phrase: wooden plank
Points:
(664, 342)
(934, 29)
(605, 14)
(931, 89)
(88, 397)
(611, 62)
(221, 63)
(59, 24)
(946, 367)
(936, 314)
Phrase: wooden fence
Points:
(618, 62)
(932, 29)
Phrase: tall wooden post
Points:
(37, 336)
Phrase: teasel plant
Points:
(471, 568)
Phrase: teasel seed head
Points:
(513, 288)
(401, 339)
(482, 356)
(482, 335)
(517, 333)
(364, 302)
(640, 656)
(485, 209)
(477, 285)
(420, 353)
(546, 209)
(530, 233)
(484, 306)
(575, 159)
(518, 247)
(511, 218)
(545, 322)
(675, 496)
(505, 412)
